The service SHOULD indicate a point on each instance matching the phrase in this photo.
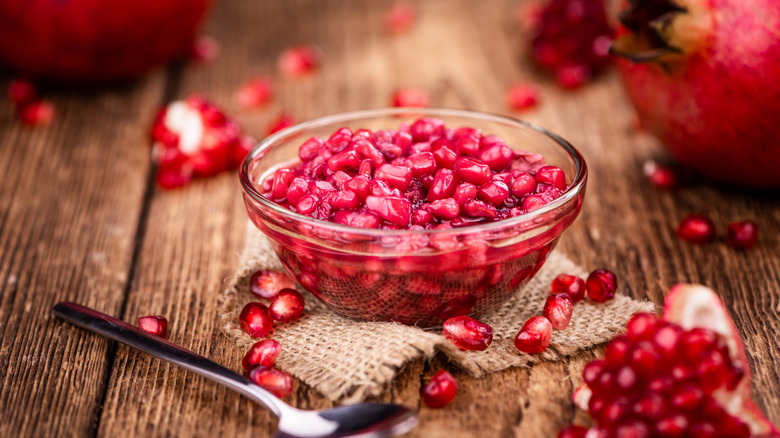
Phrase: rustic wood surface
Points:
(81, 220)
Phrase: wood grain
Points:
(77, 225)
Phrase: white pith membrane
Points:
(696, 306)
(187, 122)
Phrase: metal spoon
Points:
(365, 420)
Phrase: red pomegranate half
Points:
(704, 77)
(95, 40)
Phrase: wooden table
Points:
(81, 220)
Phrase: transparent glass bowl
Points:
(413, 277)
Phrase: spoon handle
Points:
(121, 331)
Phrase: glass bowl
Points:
(419, 277)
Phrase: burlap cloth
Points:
(348, 360)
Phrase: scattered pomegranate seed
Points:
(255, 320)
(21, 92)
(534, 336)
(410, 97)
(696, 228)
(558, 310)
(660, 176)
(262, 353)
(285, 120)
(287, 305)
(570, 284)
(742, 235)
(440, 390)
(274, 381)
(601, 285)
(522, 96)
(298, 61)
(400, 18)
(468, 333)
(255, 93)
(266, 283)
(156, 325)
(573, 432)
(36, 113)
(204, 49)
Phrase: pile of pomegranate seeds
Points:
(659, 379)
(742, 235)
(468, 333)
(30, 108)
(400, 18)
(154, 324)
(411, 97)
(440, 391)
(696, 228)
(571, 38)
(266, 283)
(522, 96)
(298, 61)
(194, 138)
(421, 176)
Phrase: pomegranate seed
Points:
(573, 76)
(468, 333)
(255, 320)
(742, 235)
(660, 176)
(36, 113)
(534, 336)
(391, 209)
(673, 425)
(21, 92)
(156, 325)
(558, 309)
(551, 175)
(262, 353)
(410, 97)
(298, 61)
(523, 184)
(440, 390)
(570, 284)
(522, 96)
(274, 381)
(472, 170)
(255, 93)
(400, 18)
(287, 305)
(284, 120)
(266, 284)
(601, 285)
(204, 49)
(573, 432)
(696, 228)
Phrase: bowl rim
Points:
(571, 193)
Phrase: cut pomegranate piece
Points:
(255, 320)
(255, 93)
(204, 49)
(287, 305)
(285, 120)
(266, 283)
(522, 96)
(411, 97)
(570, 284)
(601, 285)
(742, 235)
(697, 383)
(468, 333)
(558, 310)
(156, 325)
(440, 390)
(696, 228)
(36, 113)
(298, 61)
(274, 381)
(400, 18)
(534, 336)
(262, 353)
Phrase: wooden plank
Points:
(71, 196)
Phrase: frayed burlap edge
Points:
(348, 360)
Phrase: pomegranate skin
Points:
(95, 41)
(715, 107)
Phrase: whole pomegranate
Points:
(704, 76)
(95, 40)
